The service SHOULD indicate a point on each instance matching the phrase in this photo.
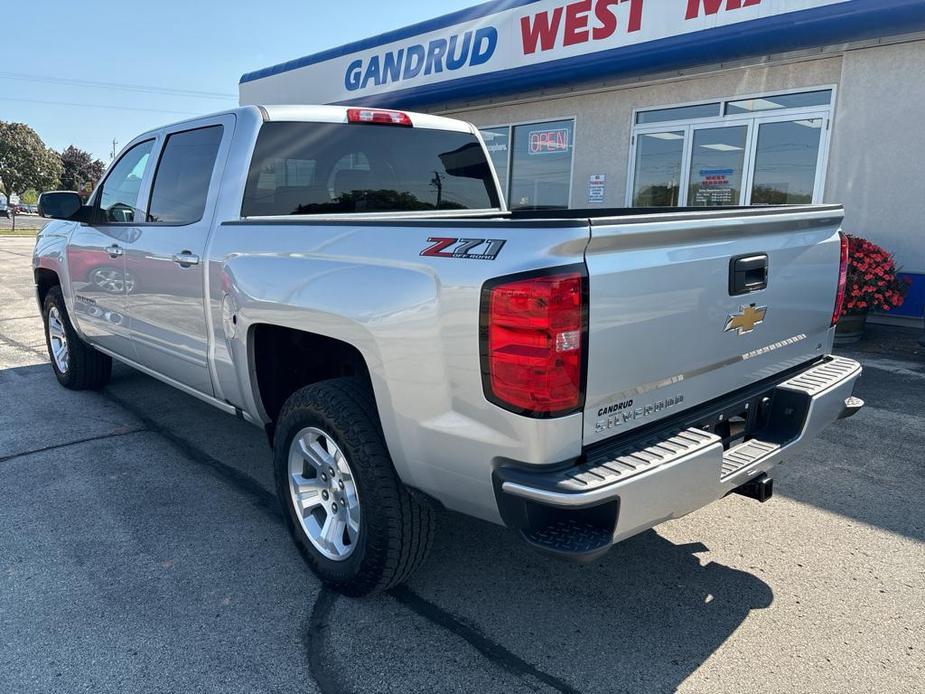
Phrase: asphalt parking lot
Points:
(141, 549)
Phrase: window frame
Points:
(162, 149)
(510, 151)
(753, 120)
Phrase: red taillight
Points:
(533, 343)
(842, 280)
(378, 117)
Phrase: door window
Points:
(786, 162)
(659, 161)
(122, 188)
(717, 165)
(181, 183)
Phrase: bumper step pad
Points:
(745, 455)
(571, 538)
(822, 377)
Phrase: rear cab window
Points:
(339, 168)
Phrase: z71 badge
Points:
(469, 249)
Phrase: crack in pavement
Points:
(12, 318)
(492, 651)
(22, 346)
(77, 442)
(314, 641)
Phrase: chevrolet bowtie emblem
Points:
(747, 320)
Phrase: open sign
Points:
(548, 141)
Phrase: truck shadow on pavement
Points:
(643, 618)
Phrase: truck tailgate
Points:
(667, 333)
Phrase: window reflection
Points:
(786, 161)
(658, 169)
(717, 163)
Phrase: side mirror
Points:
(63, 205)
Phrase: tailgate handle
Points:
(747, 274)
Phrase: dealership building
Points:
(649, 103)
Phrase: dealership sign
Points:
(522, 43)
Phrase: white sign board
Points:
(488, 51)
(597, 189)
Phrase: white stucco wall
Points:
(878, 149)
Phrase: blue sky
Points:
(48, 58)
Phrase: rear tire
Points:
(338, 420)
(76, 364)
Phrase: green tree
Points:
(29, 197)
(81, 171)
(25, 161)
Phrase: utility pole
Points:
(115, 143)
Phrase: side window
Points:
(181, 182)
(120, 191)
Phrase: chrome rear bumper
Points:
(675, 472)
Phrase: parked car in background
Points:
(4, 210)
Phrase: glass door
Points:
(659, 168)
(788, 160)
(717, 165)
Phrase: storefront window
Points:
(765, 151)
(662, 115)
(780, 101)
(785, 163)
(541, 165)
(659, 159)
(717, 162)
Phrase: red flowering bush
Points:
(872, 280)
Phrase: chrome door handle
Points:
(115, 251)
(186, 259)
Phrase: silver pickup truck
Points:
(350, 280)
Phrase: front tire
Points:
(76, 364)
(357, 526)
